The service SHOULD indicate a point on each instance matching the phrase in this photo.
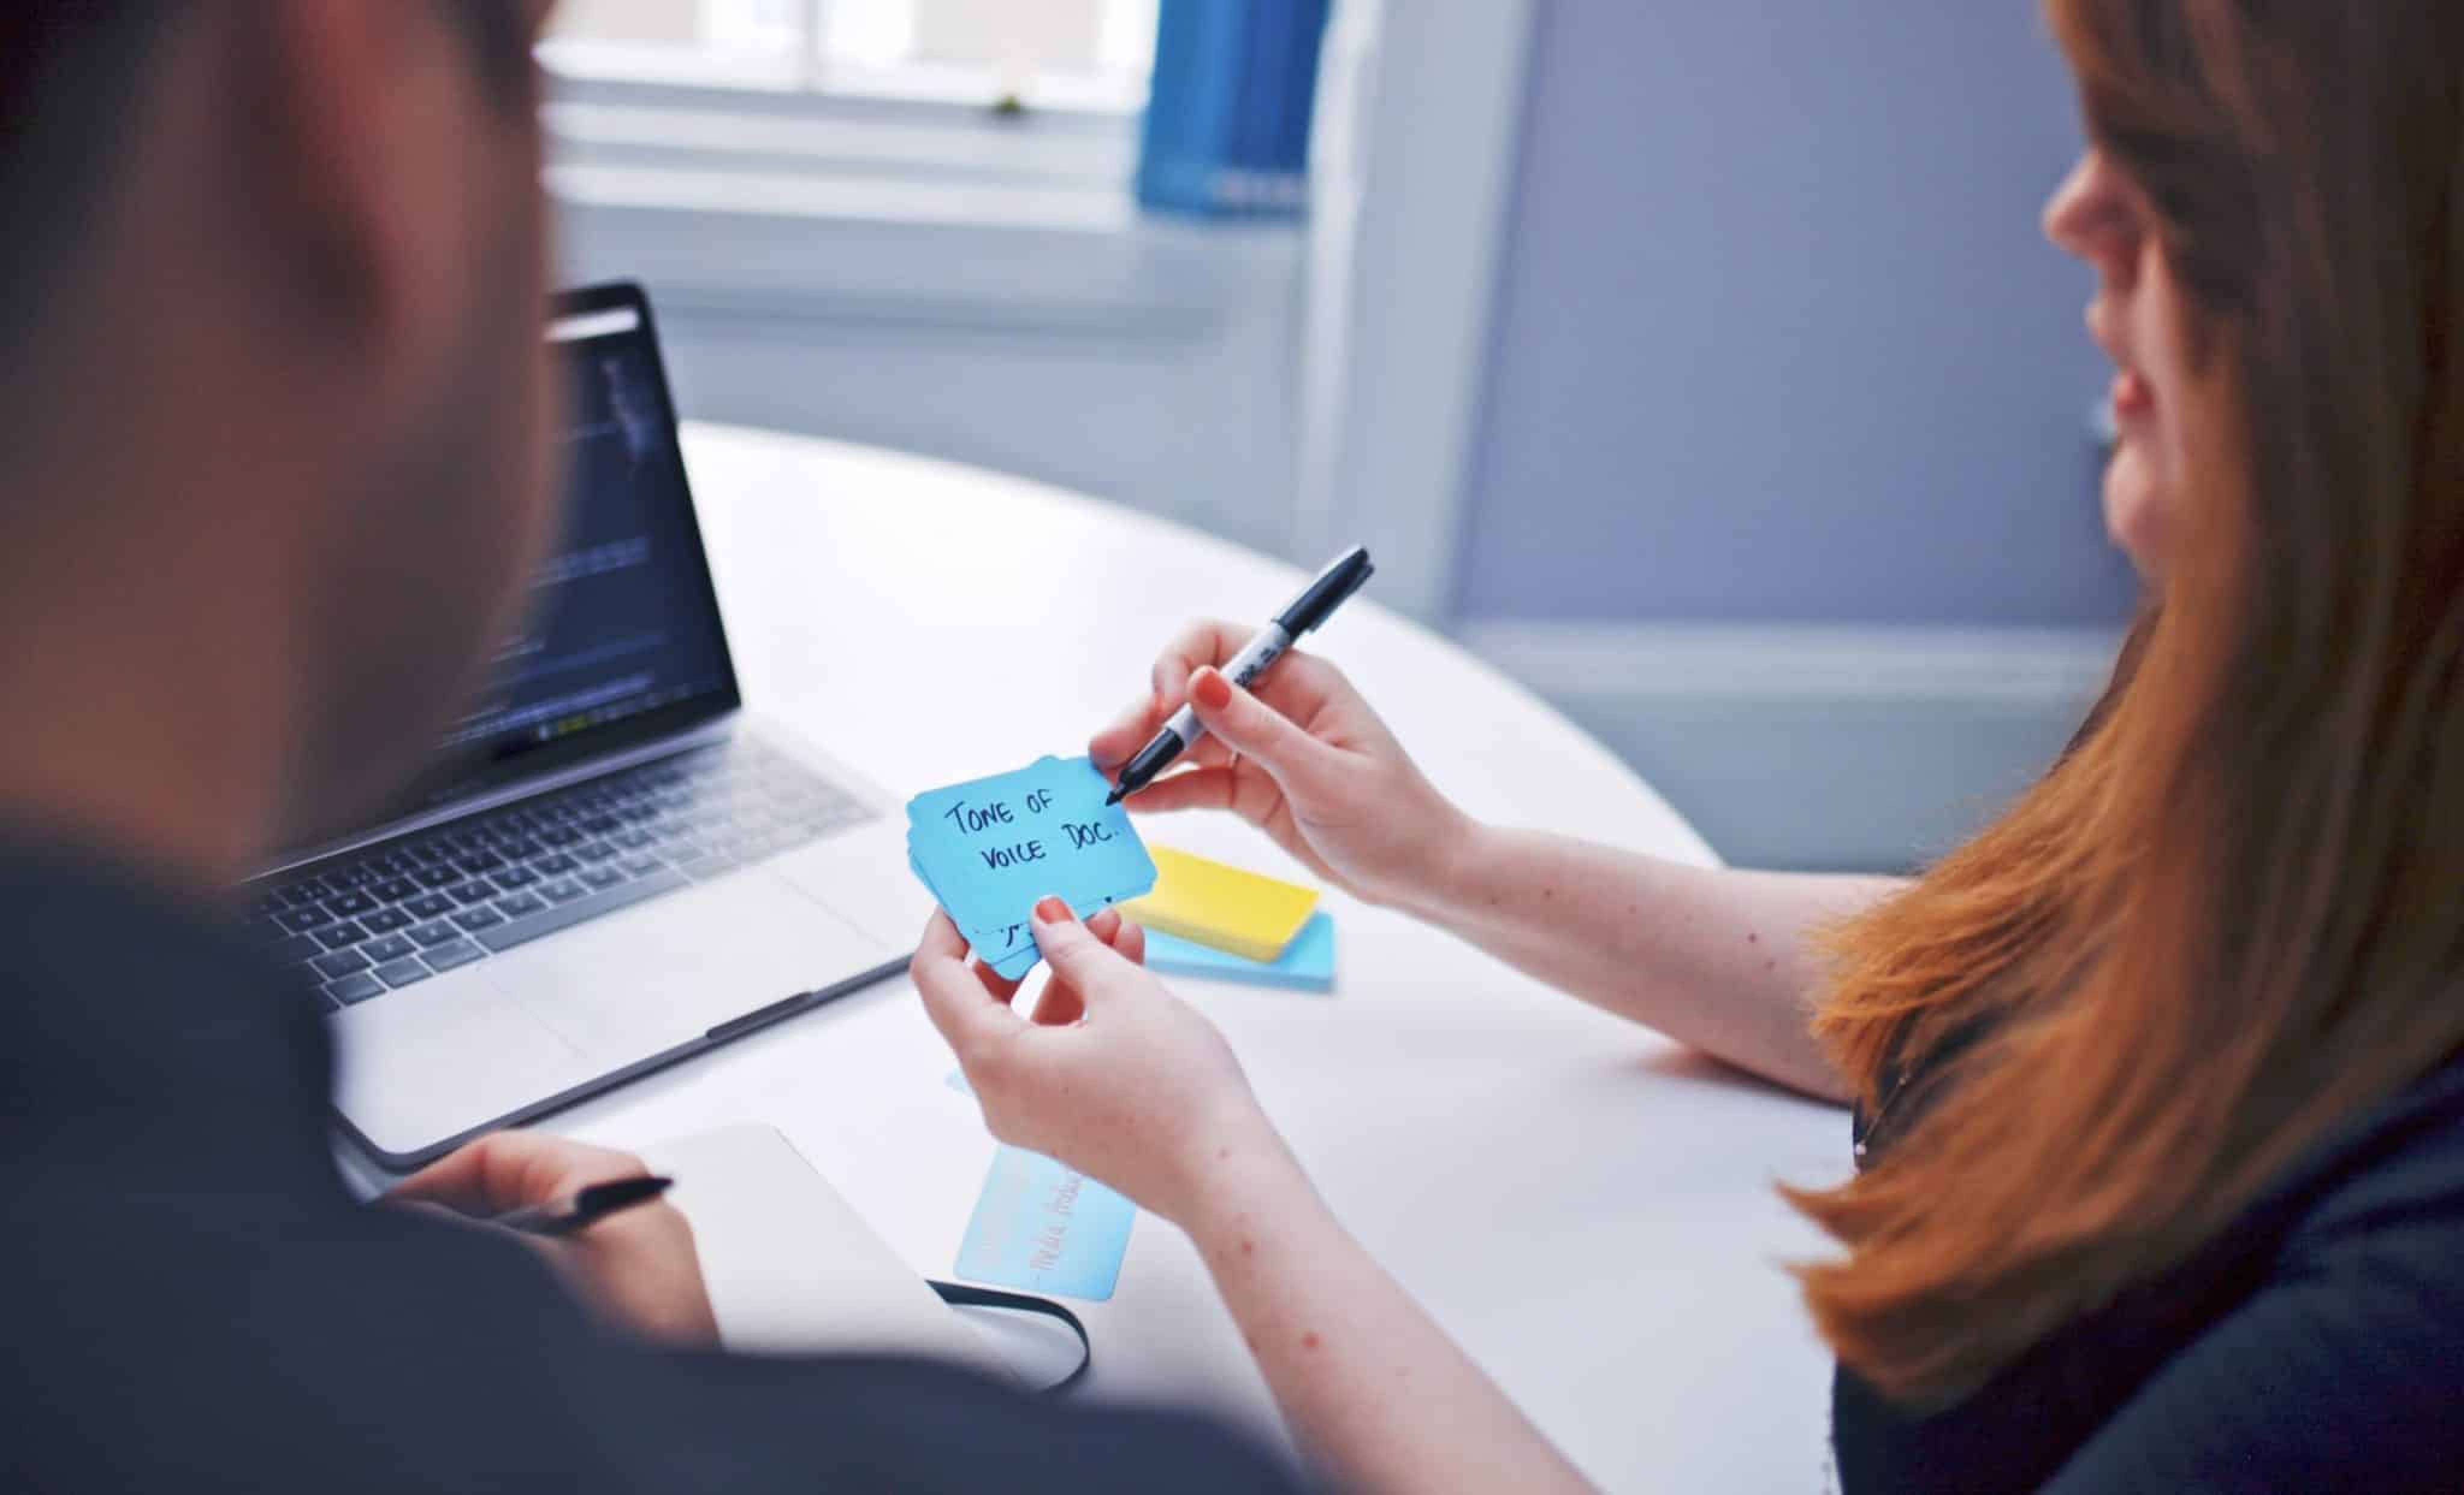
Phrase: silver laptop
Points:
(609, 870)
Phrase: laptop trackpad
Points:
(662, 974)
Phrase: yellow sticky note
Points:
(1227, 908)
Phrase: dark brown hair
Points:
(2229, 920)
(71, 75)
(68, 76)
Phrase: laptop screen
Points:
(622, 640)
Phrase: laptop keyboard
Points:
(384, 918)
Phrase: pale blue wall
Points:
(1777, 337)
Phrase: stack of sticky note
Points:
(990, 848)
(1206, 919)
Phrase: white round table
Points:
(1586, 1207)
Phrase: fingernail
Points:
(1051, 909)
(1212, 691)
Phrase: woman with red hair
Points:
(2159, 1082)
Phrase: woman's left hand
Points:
(1114, 1075)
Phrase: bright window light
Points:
(1068, 54)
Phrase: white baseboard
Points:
(1803, 746)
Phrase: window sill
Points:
(792, 209)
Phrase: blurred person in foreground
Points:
(271, 382)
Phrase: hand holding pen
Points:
(595, 1215)
(1300, 754)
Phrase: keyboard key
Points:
(446, 957)
(384, 921)
(641, 866)
(308, 892)
(292, 949)
(265, 905)
(520, 848)
(602, 823)
(560, 836)
(567, 915)
(444, 874)
(357, 987)
(476, 890)
(394, 889)
(358, 875)
(601, 876)
(429, 852)
(520, 903)
(349, 905)
(402, 973)
(304, 918)
(478, 862)
(554, 865)
(477, 919)
(632, 840)
(515, 877)
(563, 890)
(393, 946)
(436, 933)
(341, 963)
(595, 851)
(394, 864)
(334, 936)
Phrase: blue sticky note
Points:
(1045, 1228)
(1006, 946)
(1307, 964)
(988, 849)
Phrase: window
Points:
(1090, 54)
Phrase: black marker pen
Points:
(1315, 604)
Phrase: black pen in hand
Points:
(1315, 604)
(583, 1208)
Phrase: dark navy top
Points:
(2316, 1344)
(191, 1300)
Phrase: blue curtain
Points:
(1227, 118)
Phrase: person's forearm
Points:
(1716, 958)
(1374, 1390)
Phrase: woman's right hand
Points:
(1303, 758)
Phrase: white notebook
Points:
(792, 1268)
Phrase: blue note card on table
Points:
(1044, 1228)
(988, 849)
(1305, 965)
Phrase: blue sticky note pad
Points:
(1307, 964)
(988, 849)
(1044, 1228)
(1010, 950)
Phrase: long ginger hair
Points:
(2229, 920)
